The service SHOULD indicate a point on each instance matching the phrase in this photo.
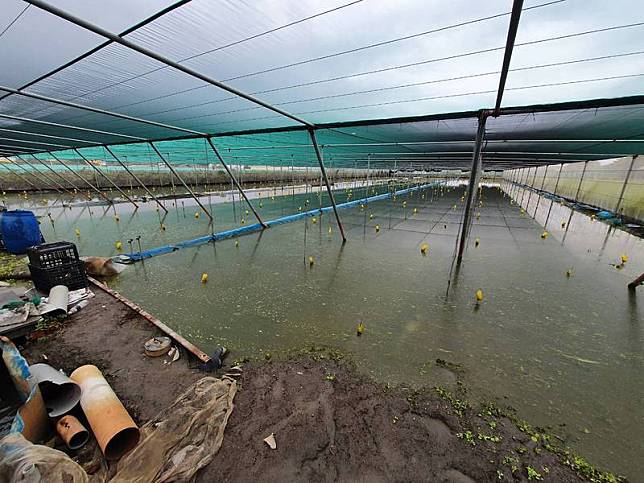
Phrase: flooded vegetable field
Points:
(557, 335)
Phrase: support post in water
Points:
(21, 176)
(52, 183)
(108, 179)
(17, 165)
(552, 201)
(318, 153)
(57, 174)
(234, 181)
(473, 182)
(182, 181)
(628, 175)
(80, 177)
(635, 283)
(136, 178)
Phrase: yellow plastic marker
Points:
(314, 220)
(624, 258)
(544, 235)
(311, 261)
(246, 212)
(261, 205)
(424, 248)
(236, 243)
(479, 295)
(522, 211)
(116, 218)
(77, 231)
(415, 210)
(360, 329)
(330, 230)
(377, 228)
(371, 216)
(118, 245)
(162, 227)
(569, 273)
(196, 214)
(404, 203)
(204, 277)
(477, 242)
(563, 224)
(243, 221)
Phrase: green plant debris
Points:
(467, 436)
(491, 438)
(458, 405)
(533, 474)
(12, 265)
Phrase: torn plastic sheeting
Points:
(21, 460)
(184, 437)
(244, 230)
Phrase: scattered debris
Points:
(270, 441)
(157, 346)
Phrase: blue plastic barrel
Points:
(20, 230)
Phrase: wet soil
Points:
(330, 423)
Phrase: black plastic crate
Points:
(72, 275)
(54, 254)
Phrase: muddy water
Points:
(567, 352)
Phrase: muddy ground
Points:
(329, 422)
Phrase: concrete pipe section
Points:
(114, 429)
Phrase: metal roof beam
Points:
(517, 5)
(159, 58)
(68, 126)
(136, 26)
(75, 105)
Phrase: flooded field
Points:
(566, 351)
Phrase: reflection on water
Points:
(567, 352)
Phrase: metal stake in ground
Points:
(234, 180)
(136, 178)
(182, 181)
(318, 153)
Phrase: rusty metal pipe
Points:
(114, 429)
(72, 432)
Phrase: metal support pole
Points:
(21, 176)
(517, 6)
(57, 174)
(527, 206)
(318, 153)
(136, 178)
(80, 177)
(581, 180)
(552, 202)
(182, 181)
(95, 168)
(543, 182)
(471, 192)
(50, 180)
(30, 173)
(235, 182)
(628, 175)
